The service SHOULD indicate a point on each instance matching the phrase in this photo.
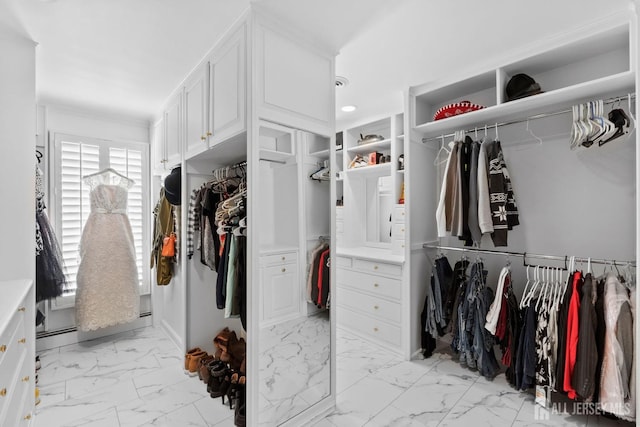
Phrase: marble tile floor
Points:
(136, 379)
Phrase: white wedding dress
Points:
(107, 281)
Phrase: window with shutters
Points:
(76, 157)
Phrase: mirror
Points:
(295, 227)
(379, 205)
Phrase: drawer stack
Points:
(368, 299)
(281, 298)
(17, 354)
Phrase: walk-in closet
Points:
(330, 214)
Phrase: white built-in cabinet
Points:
(264, 95)
(17, 353)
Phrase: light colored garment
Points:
(494, 310)
(613, 398)
(484, 206)
(441, 218)
(107, 281)
(231, 278)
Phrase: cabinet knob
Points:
(22, 309)
(375, 267)
(209, 134)
(375, 329)
(203, 138)
(3, 392)
(3, 348)
(402, 230)
(375, 307)
(27, 417)
(375, 285)
(284, 269)
(25, 379)
(22, 340)
(283, 258)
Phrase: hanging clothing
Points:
(473, 219)
(599, 335)
(163, 223)
(584, 379)
(50, 278)
(525, 369)
(618, 351)
(572, 334)
(465, 177)
(563, 314)
(496, 307)
(107, 281)
(502, 199)
(485, 221)
(313, 264)
(443, 209)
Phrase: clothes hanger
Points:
(497, 136)
(524, 293)
(536, 282)
(537, 138)
(436, 161)
(572, 265)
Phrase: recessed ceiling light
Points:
(349, 108)
(341, 81)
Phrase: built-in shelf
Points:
(322, 153)
(619, 84)
(372, 146)
(382, 169)
(276, 156)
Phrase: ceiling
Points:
(124, 57)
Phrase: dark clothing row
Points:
(319, 275)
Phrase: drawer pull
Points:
(25, 379)
(375, 285)
(375, 329)
(375, 267)
(22, 340)
(402, 229)
(3, 392)
(283, 258)
(203, 138)
(22, 309)
(402, 213)
(284, 269)
(375, 307)
(3, 348)
(209, 134)
(27, 417)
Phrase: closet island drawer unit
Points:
(368, 299)
(17, 353)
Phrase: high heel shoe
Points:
(217, 370)
(231, 391)
(223, 387)
(240, 419)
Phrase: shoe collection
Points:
(224, 372)
(38, 366)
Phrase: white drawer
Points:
(398, 231)
(378, 286)
(375, 307)
(343, 261)
(374, 328)
(8, 338)
(281, 258)
(376, 267)
(339, 226)
(14, 401)
(15, 351)
(398, 213)
(339, 212)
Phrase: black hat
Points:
(172, 185)
(520, 86)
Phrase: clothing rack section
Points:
(319, 273)
(526, 255)
(216, 226)
(496, 125)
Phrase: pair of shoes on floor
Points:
(232, 350)
(192, 361)
(240, 415)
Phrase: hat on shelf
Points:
(172, 185)
(521, 86)
(455, 109)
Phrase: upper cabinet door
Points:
(173, 126)
(158, 147)
(196, 100)
(227, 82)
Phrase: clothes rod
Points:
(526, 255)
(513, 122)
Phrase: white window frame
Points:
(68, 301)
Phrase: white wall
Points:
(94, 124)
(423, 41)
(17, 149)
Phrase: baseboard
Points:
(173, 335)
(313, 414)
(74, 337)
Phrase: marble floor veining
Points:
(136, 379)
